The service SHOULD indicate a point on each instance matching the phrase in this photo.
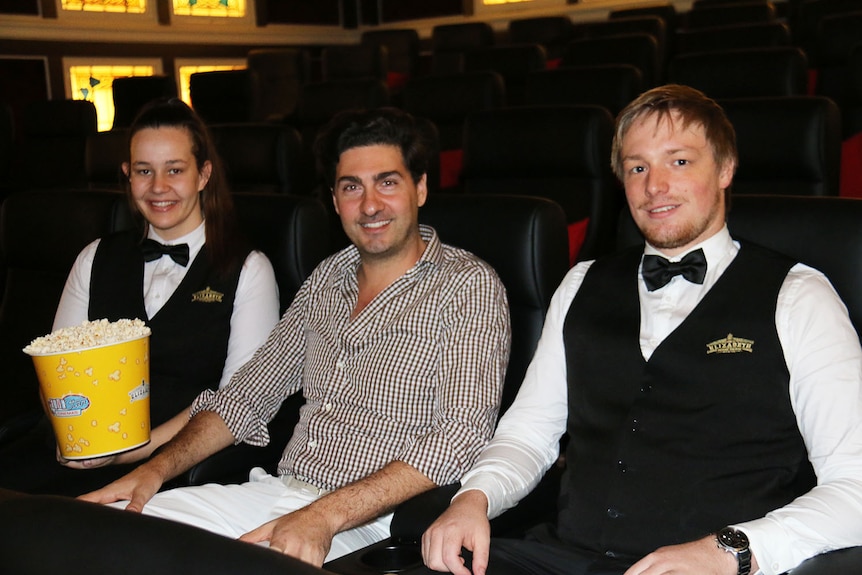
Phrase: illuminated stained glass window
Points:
(121, 6)
(185, 72)
(94, 83)
(220, 8)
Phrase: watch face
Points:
(733, 539)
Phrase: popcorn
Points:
(88, 335)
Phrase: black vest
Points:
(700, 436)
(189, 340)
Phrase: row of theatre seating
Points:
(788, 145)
(42, 231)
(606, 63)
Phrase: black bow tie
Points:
(153, 250)
(658, 271)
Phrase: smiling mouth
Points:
(375, 225)
(662, 209)
(162, 204)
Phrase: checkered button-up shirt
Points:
(415, 377)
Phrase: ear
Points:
(335, 202)
(422, 190)
(725, 174)
(125, 167)
(204, 175)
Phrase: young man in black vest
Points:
(699, 392)
(399, 345)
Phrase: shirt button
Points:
(339, 364)
(327, 407)
(312, 444)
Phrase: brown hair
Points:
(225, 245)
(382, 126)
(689, 105)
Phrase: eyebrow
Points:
(169, 162)
(376, 177)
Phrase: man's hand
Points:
(304, 534)
(137, 487)
(701, 557)
(464, 524)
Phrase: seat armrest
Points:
(415, 515)
(844, 561)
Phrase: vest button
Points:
(636, 425)
(611, 554)
(621, 465)
(614, 513)
(646, 388)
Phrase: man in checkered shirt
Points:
(399, 344)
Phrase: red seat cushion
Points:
(451, 162)
(577, 233)
(851, 167)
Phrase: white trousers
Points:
(233, 510)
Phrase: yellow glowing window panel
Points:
(121, 6)
(94, 83)
(219, 8)
(185, 73)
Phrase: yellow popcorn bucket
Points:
(98, 399)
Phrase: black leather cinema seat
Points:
(260, 156)
(555, 152)
(103, 158)
(523, 238)
(735, 13)
(45, 534)
(55, 130)
(612, 86)
(280, 72)
(787, 146)
(637, 49)
(130, 94)
(41, 233)
(349, 62)
(446, 100)
(293, 232)
(512, 61)
(743, 73)
(805, 228)
(551, 32)
(450, 41)
(224, 96)
(732, 37)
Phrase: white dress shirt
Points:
(255, 308)
(824, 358)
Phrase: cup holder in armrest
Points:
(393, 558)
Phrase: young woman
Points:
(209, 300)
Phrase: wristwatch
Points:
(735, 542)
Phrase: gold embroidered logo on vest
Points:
(730, 344)
(208, 296)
